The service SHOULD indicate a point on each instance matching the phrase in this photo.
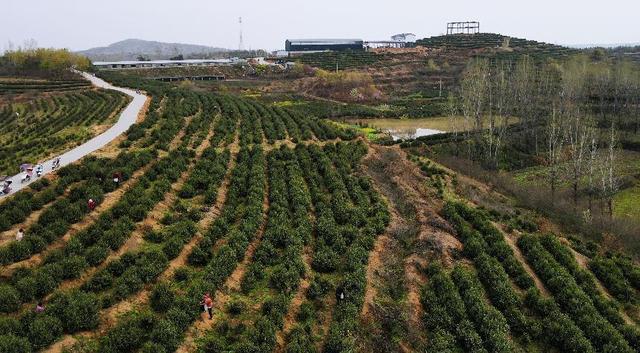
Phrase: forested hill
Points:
(131, 49)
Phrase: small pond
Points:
(407, 128)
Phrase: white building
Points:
(113, 65)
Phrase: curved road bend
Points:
(127, 118)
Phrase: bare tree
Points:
(500, 108)
(473, 93)
(593, 163)
(609, 176)
(555, 146)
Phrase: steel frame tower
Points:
(241, 43)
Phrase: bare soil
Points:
(512, 241)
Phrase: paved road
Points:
(127, 118)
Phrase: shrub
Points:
(162, 297)
(166, 334)
(96, 254)
(10, 325)
(182, 274)
(13, 344)
(152, 347)
(9, 299)
(306, 312)
(45, 283)
(319, 288)
(489, 322)
(571, 297)
(73, 266)
(179, 317)
(99, 282)
(129, 334)
(236, 307)
(77, 310)
(44, 330)
(173, 247)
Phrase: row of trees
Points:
(50, 63)
(569, 116)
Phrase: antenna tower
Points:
(241, 44)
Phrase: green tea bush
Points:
(14, 344)
(9, 299)
(162, 297)
(43, 331)
(571, 298)
(78, 311)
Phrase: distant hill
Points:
(131, 49)
(605, 45)
(498, 46)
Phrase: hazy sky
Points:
(81, 24)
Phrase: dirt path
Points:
(232, 284)
(324, 320)
(297, 300)
(516, 251)
(414, 210)
(373, 266)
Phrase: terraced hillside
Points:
(40, 124)
(308, 239)
(15, 86)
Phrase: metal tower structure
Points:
(469, 27)
(241, 44)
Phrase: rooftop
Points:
(160, 62)
(320, 41)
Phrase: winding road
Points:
(128, 117)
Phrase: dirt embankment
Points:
(416, 235)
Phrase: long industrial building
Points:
(295, 45)
(106, 65)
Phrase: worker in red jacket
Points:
(91, 204)
(207, 304)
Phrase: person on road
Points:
(207, 304)
(91, 204)
(39, 307)
(5, 188)
(55, 164)
(25, 177)
(20, 234)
